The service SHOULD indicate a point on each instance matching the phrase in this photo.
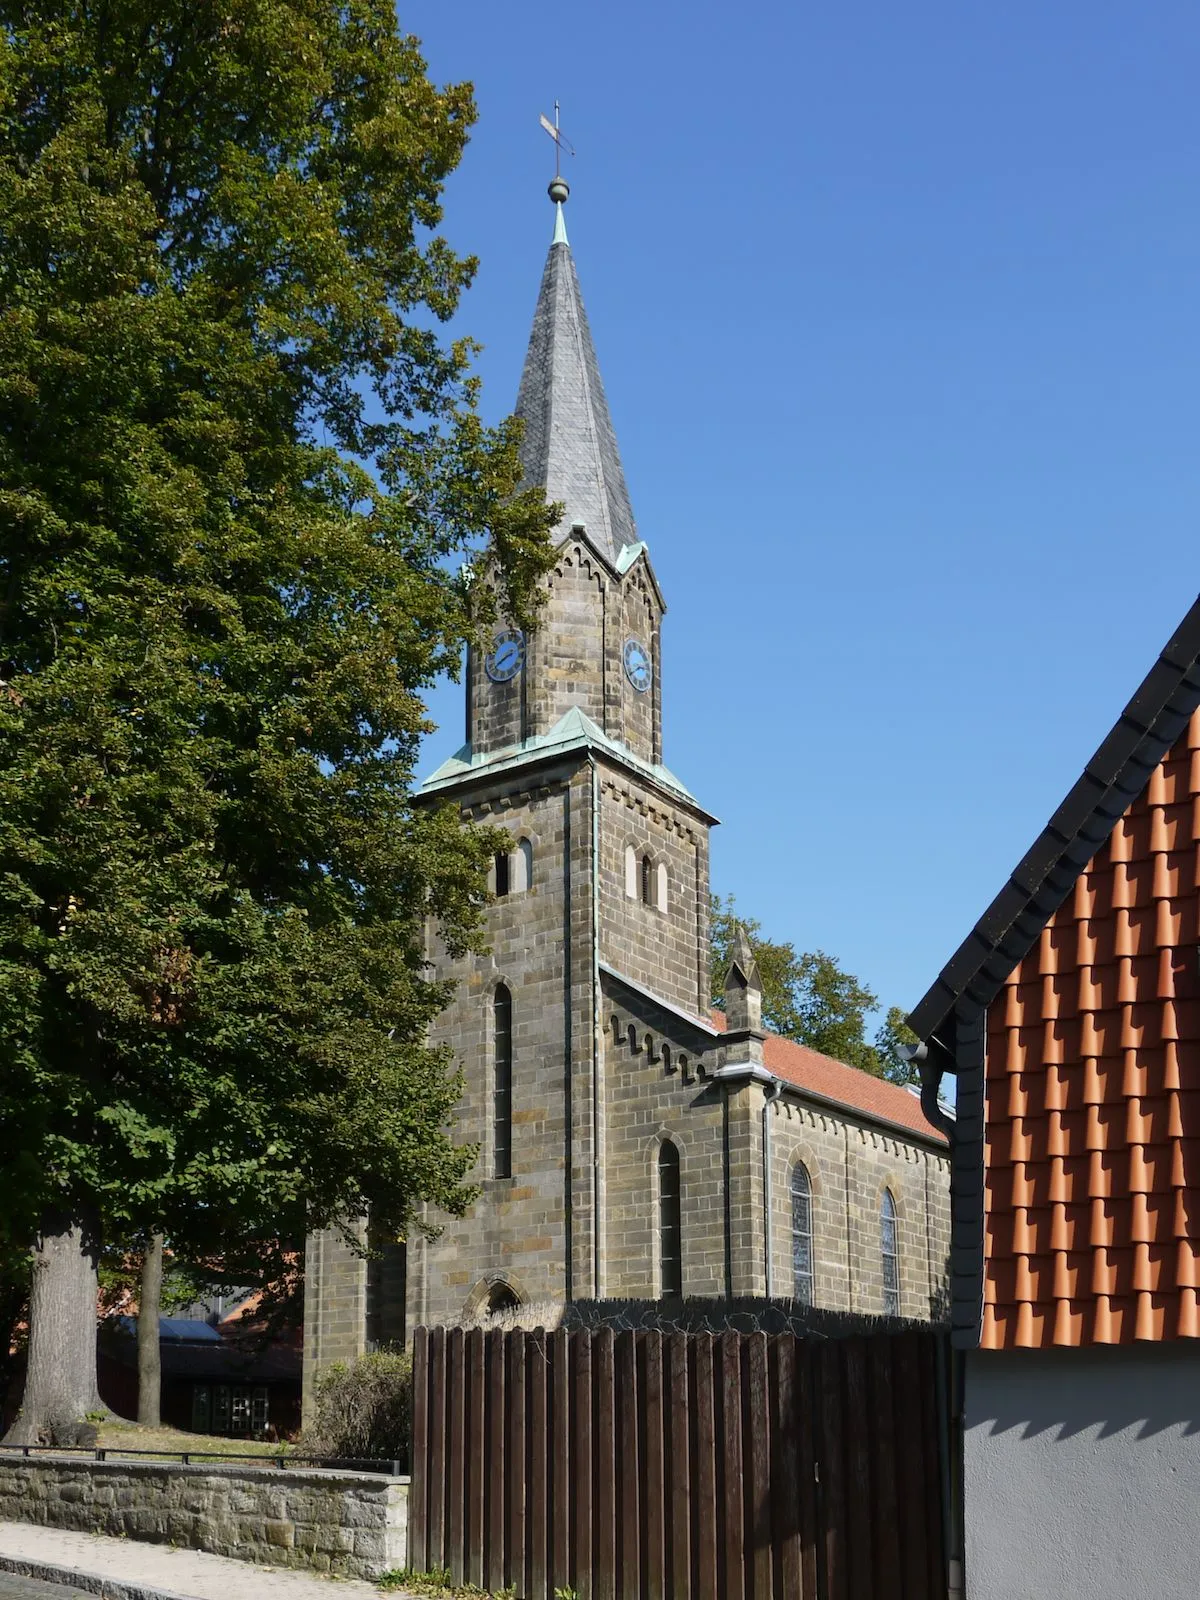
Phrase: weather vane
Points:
(558, 189)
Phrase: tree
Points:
(810, 998)
(149, 1360)
(241, 471)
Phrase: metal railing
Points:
(393, 1467)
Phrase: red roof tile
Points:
(834, 1080)
(1092, 1129)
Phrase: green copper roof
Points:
(575, 731)
(629, 554)
(560, 226)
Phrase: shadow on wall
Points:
(939, 1300)
(1150, 1388)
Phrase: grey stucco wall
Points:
(1082, 1474)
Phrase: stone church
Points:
(633, 1143)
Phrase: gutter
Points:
(932, 1073)
(769, 1099)
(597, 1173)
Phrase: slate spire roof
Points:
(570, 448)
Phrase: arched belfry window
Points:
(631, 872)
(889, 1251)
(670, 1233)
(802, 1235)
(502, 1083)
(647, 881)
(503, 875)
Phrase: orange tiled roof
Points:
(834, 1080)
(1092, 1089)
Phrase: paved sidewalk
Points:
(159, 1569)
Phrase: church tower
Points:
(607, 871)
(632, 1145)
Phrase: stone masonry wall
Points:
(849, 1164)
(665, 948)
(719, 1133)
(348, 1524)
(517, 1229)
(566, 651)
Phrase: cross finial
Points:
(559, 188)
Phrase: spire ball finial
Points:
(558, 189)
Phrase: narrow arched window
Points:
(660, 897)
(666, 1058)
(647, 881)
(502, 874)
(502, 1083)
(670, 1237)
(890, 1254)
(802, 1237)
(631, 872)
(632, 1039)
(523, 867)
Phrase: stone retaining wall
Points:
(350, 1523)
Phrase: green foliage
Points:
(240, 469)
(439, 1584)
(810, 998)
(364, 1410)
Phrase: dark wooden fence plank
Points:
(706, 1511)
(644, 1466)
(515, 1459)
(758, 1467)
(605, 1465)
(831, 1462)
(679, 1470)
(734, 1507)
(931, 1353)
(494, 1463)
(581, 1463)
(435, 1548)
(536, 1376)
(808, 1433)
(629, 1526)
(787, 1582)
(475, 1436)
(418, 1489)
(654, 1478)
(885, 1505)
(456, 1472)
(859, 1445)
(560, 1463)
(906, 1376)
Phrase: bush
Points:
(364, 1411)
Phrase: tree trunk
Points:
(60, 1373)
(149, 1362)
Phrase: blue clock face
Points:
(506, 657)
(637, 665)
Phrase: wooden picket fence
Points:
(640, 1465)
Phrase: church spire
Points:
(569, 448)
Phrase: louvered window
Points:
(502, 1084)
(670, 1237)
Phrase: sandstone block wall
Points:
(347, 1524)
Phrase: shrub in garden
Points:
(363, 1410)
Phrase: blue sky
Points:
(897, 314)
